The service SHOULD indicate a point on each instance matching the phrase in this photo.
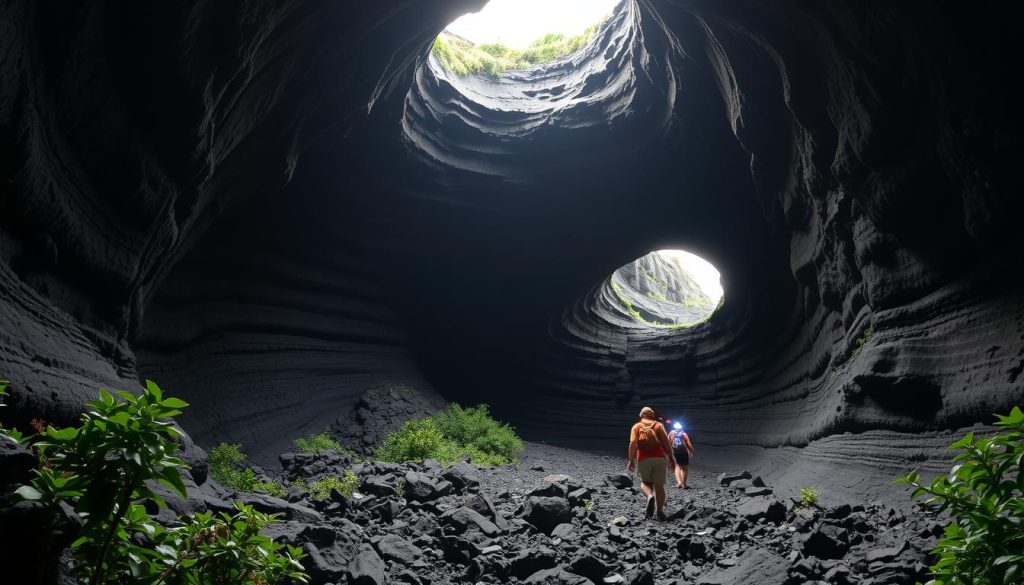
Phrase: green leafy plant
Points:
(320, 443)
(473, 428)
(450, 433)
(225, 548)
(321, 488)
(226, 467)
(864, 338)
(13, 434)
(461, 58)
(418, 439)
(984, 542)
(588, 505)
(122, 443)
(808, 497)
(102, 469)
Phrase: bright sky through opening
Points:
(702, 271)
(517, 23)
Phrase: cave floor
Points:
(716, 533)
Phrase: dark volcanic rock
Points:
(753, 566)
(396, 548)
(366, 568)
(762, 507)
(619, 480)
(424, 488)
(546, 512)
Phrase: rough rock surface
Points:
(481, 534)
(271, 207)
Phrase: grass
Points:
(462, 58)
(321, 488)
(808, 496)
(226, 467)
(639, 318)
(450, 433)
(320, 443)
(864, 338)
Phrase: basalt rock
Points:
(271, 209)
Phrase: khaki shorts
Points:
(652, 470)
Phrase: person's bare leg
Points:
(659, 497)
(680, 480)
(646, 489)
(684, 473)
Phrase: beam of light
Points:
(702, 271)
(517, 23)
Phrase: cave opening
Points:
(509, 35)
(668, 289)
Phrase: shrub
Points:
(101, 469)
(418, 439)
(226, 467)
(451, 432)
(808, 496)
(13, 434)
(319, 443)
(225, 548)
(984, 542)
(473, 428)
(321, 488)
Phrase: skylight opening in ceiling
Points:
(508, 35)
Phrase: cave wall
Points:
(275, 206)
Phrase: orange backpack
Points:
(647, 436)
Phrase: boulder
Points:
(367, 568)
(619, 481)
(820, 544)
(590, 567)
(768, 508)
(462, 476)
(544, 513)
(532, 560)
(728, 478)
(465, 519)
(424, 488)
(395, 548)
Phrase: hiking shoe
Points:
(662, 517)
(649, 510)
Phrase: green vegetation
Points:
(14, 434)
(226, 467)
(639, 318)
(461, 58)
(808, 497)
(588, 505)
(450, 433)
(321, 488)
(863, 339)
(225, 548)
(101, 471)
(984, 542)
(320, 443)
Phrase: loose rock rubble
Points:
(579, 521)
(576, 519)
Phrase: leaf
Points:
(154, 390)
(65, 434)
(175, 403)
(29, 493)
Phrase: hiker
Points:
(649, 448)
(682, 448)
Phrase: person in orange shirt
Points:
(651, 452)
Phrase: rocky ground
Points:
(566, 517)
